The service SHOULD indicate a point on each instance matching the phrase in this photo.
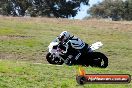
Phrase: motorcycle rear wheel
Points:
(98, 59)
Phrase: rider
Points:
(69, 40)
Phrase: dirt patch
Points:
(9, 37)
(34, 57)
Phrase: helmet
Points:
(64, 36)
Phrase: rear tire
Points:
(97, 58)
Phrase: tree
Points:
(128, 10)
(57, 8)
(13, 7)
(1, 5)
(115, 9)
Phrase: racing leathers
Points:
(75, 43)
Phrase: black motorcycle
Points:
(73, 57)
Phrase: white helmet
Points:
(64, 36)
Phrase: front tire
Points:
(51, 60)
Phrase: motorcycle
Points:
(59, 54)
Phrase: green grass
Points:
(15, 74)
(24, 41)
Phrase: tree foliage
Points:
(57, 8)
(115, 9)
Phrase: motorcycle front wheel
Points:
(52, 60)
